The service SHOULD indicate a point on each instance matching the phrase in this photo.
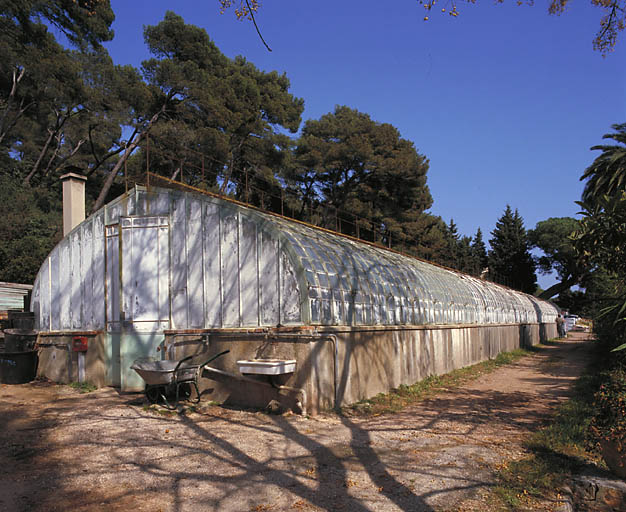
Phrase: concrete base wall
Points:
(375, 361)
(59, 363)
(368, 361)
(256, 390)
(335, 366)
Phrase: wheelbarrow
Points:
(165, 378)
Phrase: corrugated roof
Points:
(12, 295)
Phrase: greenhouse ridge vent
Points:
(165, 273)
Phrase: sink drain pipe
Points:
(319, 337)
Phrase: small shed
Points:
(14, 296)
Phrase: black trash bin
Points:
(18, 367)
(19, 340)
(21, 319)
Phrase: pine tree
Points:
(349, 163)
(429, 232)
(510, 261)
(451, 252)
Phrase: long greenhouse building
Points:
(312, 319)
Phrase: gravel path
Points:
(62, 450)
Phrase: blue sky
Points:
(504, 100)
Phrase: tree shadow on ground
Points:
(103, 451)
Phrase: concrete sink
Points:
(267, 366)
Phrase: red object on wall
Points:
(79, 343)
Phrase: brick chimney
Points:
(73, 200)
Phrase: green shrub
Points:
(82, 387)
(609, 421)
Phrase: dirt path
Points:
(61, 450)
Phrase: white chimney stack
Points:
(73, 200)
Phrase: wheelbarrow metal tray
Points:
(166, 375)
(155, 372)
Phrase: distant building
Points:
(14, 296)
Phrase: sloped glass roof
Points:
(349, 282)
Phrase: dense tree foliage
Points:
(431, 239)
(35, 69)
(60, 107)
(346, 161)
(207, 105)
(30, 226)
(470, 254)
(597, 290)
(85, 23)
(601, 241)
(554, 238)
(479, 253)
(510, 261)
(454, 252)
(601, 238)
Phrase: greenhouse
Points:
(163, 272)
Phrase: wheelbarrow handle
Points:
(184, 359)
(214, 357)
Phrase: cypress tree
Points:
(465, 257)
(479, 253)
(450, 256)
(510, 261)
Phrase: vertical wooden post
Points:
(148, 160)
(246, 191)
(126, 172)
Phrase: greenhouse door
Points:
(137, 293)
(138, 284)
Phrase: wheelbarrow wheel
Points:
(153, 394)
(184, 391)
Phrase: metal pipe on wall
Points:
(321, 337)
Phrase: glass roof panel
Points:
(373, 275)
